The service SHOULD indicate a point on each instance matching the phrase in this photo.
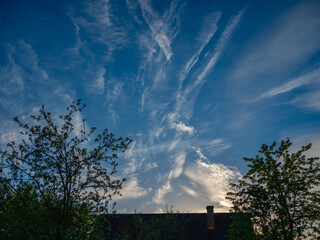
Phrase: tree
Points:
(67, 169)
(279, 195)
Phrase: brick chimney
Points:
(210, 218)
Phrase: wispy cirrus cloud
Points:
(310, 77)
(98, 85)
(9, 132)
(100, 10)
(156, 46)
(177, 169)
(205, 36)
(21, 72)
(101, 25)
(175, 172)
(310, 100)
(115, 95)
(159, 197)
(163, 28)
(215, 55)
(216, 146)
(181, 127)
(133, 6)
(75, 50)
(282, 46)
(11, 78)
(186, 96)
(199, 152)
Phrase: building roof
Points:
(192, 226)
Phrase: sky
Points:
(196, 84)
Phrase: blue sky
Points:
(196, 84)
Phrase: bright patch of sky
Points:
(196, 84)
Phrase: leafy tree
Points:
(64, 170)
(279, 195)
(21, 213)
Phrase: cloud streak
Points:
(206, 36)
(282, 46)
(305, 79)
(186, 96)
(101, 26)
(219, 47)
(160, 26)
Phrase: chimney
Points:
(210, 218)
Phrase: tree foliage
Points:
(63, 169)
(279, 195)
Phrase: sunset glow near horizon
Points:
(197, 85)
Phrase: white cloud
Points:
(160, 26)
(102, 25)
(131, 189)
(158, 77)
(143, 95)
(27, 58)
(23, 65)
(216, 146)
(98, 86)
(220, 46)
(131, 167)
(130, 152)
(213, 181)
(199, 152)
(9, 132)
(75, 50)
(310, 100)
(185, 98)
(178, 165)
(174, 144)
(100, 10)
(190, 191)
(184, 128)
(210, 29)
(148, 166)
(175, 172)
(284, 45)
(78, 123)
(115, 95)
(178, 125)
(158, 198)
(11, 78)
(157, 51)
(292, 84)
(140, 149)
(164, 44)
(132, 6)
(114, 91)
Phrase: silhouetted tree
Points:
(278, 198)
(62, 170)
